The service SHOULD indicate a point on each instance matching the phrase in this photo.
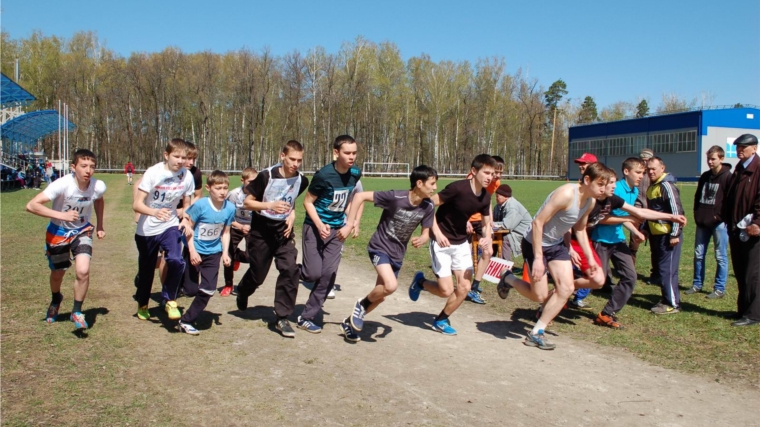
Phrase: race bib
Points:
(340, 200)
(209, 231)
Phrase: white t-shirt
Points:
(237, 197)
(165, 190)
(66, 196)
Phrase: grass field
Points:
(49, 378)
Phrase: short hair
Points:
(343, 139)
(483, 160)
(632, 162)
(84, 154)
(716, 149)
(596, 171)
(192, 150)
(292, 145)
(659, 159)
(422, 173)
(249, 172)
(217, 177)
(499, 160)
(176, 144)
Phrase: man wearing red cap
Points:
(583, 162)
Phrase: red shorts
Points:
(584, 261)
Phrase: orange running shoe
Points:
(603, 319)
(226, 291)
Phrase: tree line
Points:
(240, 107)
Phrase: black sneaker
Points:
(285, 329)
(242, 302)
(503, 287)
(348, 332)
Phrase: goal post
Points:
(383, 169)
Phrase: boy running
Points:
(69, 233)
(322, 242)
(129, 169)
(272, 196)
(239, 229)
(450, 251)
(163, 186)
(403, 211)
(209, 218)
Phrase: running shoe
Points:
(142, 312)
(331, 294)
(538, 340)
(503, 287)
(242, 302)
(715, 295)
(52, 312)
(172, 310)
(475, 297)
(79, 321)
(603, 319)
(308, 326)
(444, 327)
(357, 317)
(349, 332)
(285, 329)
(578, 304)
(665, 309)
(415, 288)
(187, 328)
(692, 290)
(235, 265)
(226, 291)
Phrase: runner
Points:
(69, 233)
(129, 169)
(403, 211)
(450, 251)
(239, 229)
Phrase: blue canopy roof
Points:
(13, 95)
(30, 127)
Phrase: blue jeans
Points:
(720, 241)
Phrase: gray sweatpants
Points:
(622, 259)
(319, 265)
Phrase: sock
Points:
(77, 307)
(476, 285)
(442, 316)
(57, 298)
(365, 303)
(539, 328)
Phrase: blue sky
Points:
(611, 50)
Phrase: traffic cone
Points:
(526, 273)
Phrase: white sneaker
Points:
(187, 328)
(331, 295)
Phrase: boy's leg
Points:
(147, 248)
(311, 254)
(622, 259)
(701, 241)
(260, 255)
(209, 272)
(331, 254)
(229, 273)
(286, 287)
(171, 242)
(441, 260)
(720, 240)
(385, 285)
(562, 272)
(191, 278)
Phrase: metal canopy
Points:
(30, 127)
(14, 95)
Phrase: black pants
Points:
(265, 245)
(202, 289)
(622, 259)
(666, 260)
(236, 236)
(745, 258)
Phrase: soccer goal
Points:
(385, 169)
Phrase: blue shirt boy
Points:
(209, 224)
(612, 234)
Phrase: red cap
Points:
(586, 158)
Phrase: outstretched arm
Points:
(354, 217)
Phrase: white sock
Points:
(540, 326)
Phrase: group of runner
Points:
(194, 235)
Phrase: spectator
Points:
(641, 201)
(741, 212)
(514, 217)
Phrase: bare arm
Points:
(37, 207)
(311, 211)
(279, 206)
(99, 205)
(651, 215)
(354, 215)
(225, 246)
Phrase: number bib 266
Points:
(209, 231)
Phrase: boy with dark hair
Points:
(192, 157)
(403, 211)
(161, 189)
(239, 228)
(69, 233)
(209, 219)
(450, 251)
(708, 202)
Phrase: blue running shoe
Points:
(357, 317)
(415, 288)
(475, 297)
(78, 319)
(538, 340)
(348, 332)
(308, 326)
(444, 327)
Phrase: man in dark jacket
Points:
(641, 201)
(707, 206)
(741, 212)
(665, 236)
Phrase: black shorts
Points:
(557, 252)
(378, 258)
(59, 257)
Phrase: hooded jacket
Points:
(663, 196)
(742, 196)
(708, 199)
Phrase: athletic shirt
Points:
(398, 221)
(269, 186)
(237, 197)
(614, 233)
(165, 190)
(561, 222)
(197, 180)
(459, 203)
(332, 191)
(209, 224)
(66, 196)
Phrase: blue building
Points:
(680, 139)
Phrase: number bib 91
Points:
(209, 231)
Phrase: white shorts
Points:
(454, 258)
